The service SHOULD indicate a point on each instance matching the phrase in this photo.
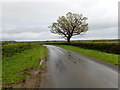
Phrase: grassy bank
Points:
(11, 49)
(107, 57)
(12, 66)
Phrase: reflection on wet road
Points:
(67, 69)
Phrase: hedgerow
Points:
(101, 46)
(11, 49)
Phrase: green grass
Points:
(110, 58)
(11, 66)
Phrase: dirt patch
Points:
(33, 81)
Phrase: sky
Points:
(24, 20)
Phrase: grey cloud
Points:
(102, 25)
(29, 36)
(30, 21)
(25, 30)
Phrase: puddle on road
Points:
(74, 60)
(60, 66)
(71, 58)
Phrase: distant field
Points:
(73, 41)
(22, 58)
(110, 58)
(79, 41)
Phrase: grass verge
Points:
(12, 66)
(107, 57)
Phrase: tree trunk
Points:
(68, 40)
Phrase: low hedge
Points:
(101, 46)
(10, 49)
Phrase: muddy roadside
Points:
(35, 79)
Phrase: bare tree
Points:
(70, 25)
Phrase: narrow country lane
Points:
(67, 69)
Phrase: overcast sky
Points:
(30, 20)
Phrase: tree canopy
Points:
(70, 25)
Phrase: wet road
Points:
(67, 69)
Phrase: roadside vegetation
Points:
(108, 47)
(107, 57)
(100, 46)
(19, 58)
(11, 49)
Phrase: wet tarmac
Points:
(67, 69)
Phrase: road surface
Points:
(67, 69)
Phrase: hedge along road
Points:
(67, 69)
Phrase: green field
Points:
(107, 57)
(13, 65)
